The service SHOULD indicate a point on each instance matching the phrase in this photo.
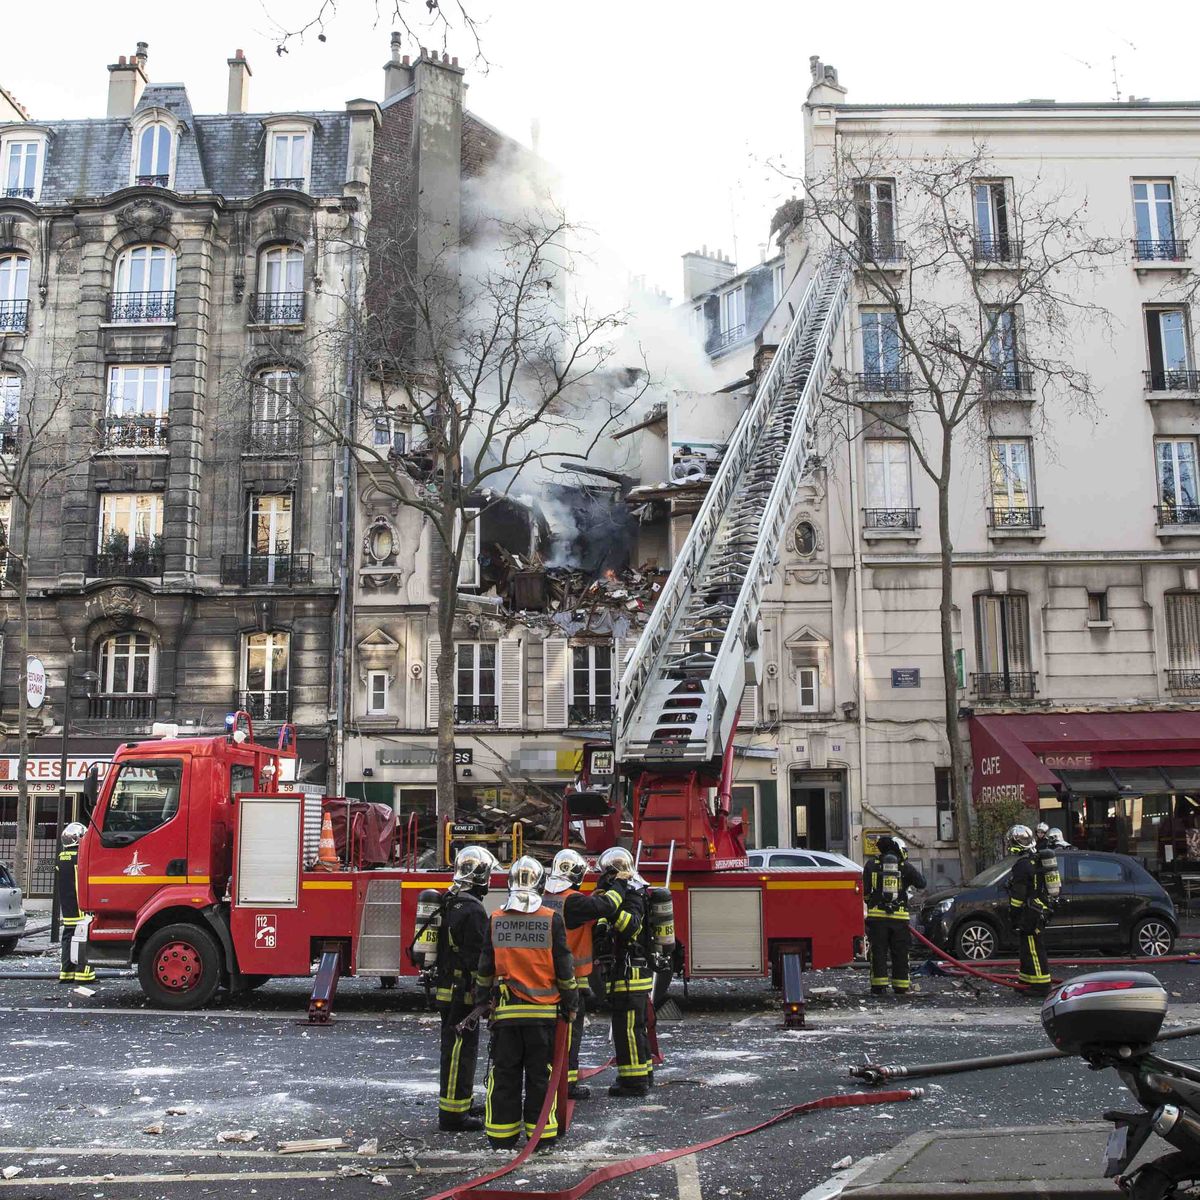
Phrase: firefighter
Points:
(887, 880)
(460, 939)
(1029, 908)
(579, 913)
(526, 960)
(67, 883)
(630, 979)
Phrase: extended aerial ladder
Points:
(680, 693)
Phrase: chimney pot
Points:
(454, 61)
(121, 60)
(126, 82)
(406, 61)
(424, 52)
(445, 59)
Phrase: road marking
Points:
(687, 1175)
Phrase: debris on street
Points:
(237, 1135)
(155, 1128)
(370, 1146)
(305, 1145)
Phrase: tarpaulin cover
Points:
(374, 831)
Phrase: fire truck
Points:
(201, 867)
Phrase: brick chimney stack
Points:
(127, 80)
(239, 84)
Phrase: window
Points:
(130, 522)
(792, 862)
(138, 399)
(778, 285)
(1097, 606)
(386, 438)
(888, 485)
(126, 664)
(468, 565)
(145, 796)
(698, 323)
(733, 314)
(154, 154)
(274, 422)
(21, 169)
(265, 695)
(1002, 645)
(1182, 612)
(14, 293)
(377, 692)
(288, 159)
(1154, 219)
(5, 530)
(270, 525)
(806, 539)
(1170, 350)
(591, 696)
(1011, 480)
(1099, 870)
(992, 242)
(808, 688)
(1178, 496)
(475, 682)
(280, 299)
(875, 205)
(10, 411)
(1003, 352)
(143, 286)
(880, 346)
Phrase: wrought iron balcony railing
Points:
(17, 193)
(122, 706)
(1006, 379)
(728, 337)
(137, 564)
(996, 249)
(1173, 381)
(1183, 681)
(1178, 514)
(10, 568)
(141, 308)
(880, 250)
(133, 433)
(891, 518)
(1159, 249)
(474, 714)
(288, 181)
(1005, 685)
(8, 437)
(153, 181)
(1015, 518)
(277, 308)
(883, 381)
(272, 435)
(600, 713)
(266, 706)
(14, 316)
(266, 570)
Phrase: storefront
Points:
(1127, 782)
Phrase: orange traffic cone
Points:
(327, 859)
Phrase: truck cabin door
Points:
(143, 838)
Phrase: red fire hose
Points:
(962, 966)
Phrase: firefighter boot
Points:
(579, 1091)
(628, 1089)
(459, 1123)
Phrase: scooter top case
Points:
(1105, 1009)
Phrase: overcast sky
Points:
(661, 115)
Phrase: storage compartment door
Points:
(379, 943)
(268, 860)
(725, 931)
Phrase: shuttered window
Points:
(1002, 633)
(1183, 630)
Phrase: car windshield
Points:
(992, 874)
(6, 880)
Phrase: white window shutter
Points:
(554, 683)
(509, 683)
(749, 717)
(431, 682)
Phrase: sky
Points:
(671, 122)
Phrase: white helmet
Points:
(566, 871)
(525, 878)
(618, 862)
(1058, 840)
(72, 833)
(473, 866)
(1019, 837)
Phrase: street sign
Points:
(35, 682)
(906, 677)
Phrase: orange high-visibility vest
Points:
(579, 941)
(525, 954)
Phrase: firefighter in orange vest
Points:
(67, 882)
(579, 913)
(526, 960)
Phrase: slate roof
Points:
(219, 154)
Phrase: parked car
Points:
(1109, 903)
(12, 912)
(783, 858)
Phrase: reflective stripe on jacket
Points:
(579, 914)
(527, 955)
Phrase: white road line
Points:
(298, 1017)
(687, 1175)
(209, 1177)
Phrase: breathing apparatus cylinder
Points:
(889, 881)
(429, 924)
(1048, 873)
(662, 921)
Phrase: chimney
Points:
(127, 80)
(397, 73)
(239, 84)
(703, 271)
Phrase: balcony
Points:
(159, 181)
(726, 338)
(883, 381)
(9, 441)
(272, 435)
(295, 182)
(277, 308)
(1178, 514)
(17, 193)
(141, 308)
(1173, 381)
(474, 714)
(133, 433)
(996, 250)
(1159, 250)
(879, 251)
(902, 519)
(14, 316)
(117, 706)
(271, 707)
(590, 714)
(1015, 518)
(266, 570)
(10, 569)
(1005, 685)
(1002, 380)
(1183, 681)
(134, 564)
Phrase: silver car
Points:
(12, 912)
(783, 858)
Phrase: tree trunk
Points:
(23, 871)
(447, 775)
(958, 792)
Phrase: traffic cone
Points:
(327, 859)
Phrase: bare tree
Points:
(972, 321)
(482, 376)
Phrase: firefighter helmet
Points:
(473, 866)
(1020, 837)
(892, 843)
(618, 862)
(566, 871)
(72, 833)
(1059, 840)
(1042, 829)
(525, 879)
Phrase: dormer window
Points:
(154, 156)
(22, 157)
(289, 157)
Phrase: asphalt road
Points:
(82, 1078)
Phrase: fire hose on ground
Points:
(988, 977)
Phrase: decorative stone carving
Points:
(281, 222)
(239, 255)
(121, 605)
(143, 218)
(380, 542)
(8, 230)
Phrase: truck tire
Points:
(179, 966)
(8, 945)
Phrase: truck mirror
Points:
(91, 788)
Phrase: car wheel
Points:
(1152, 938)
(179, 966)
(8, 945)
(975, 940)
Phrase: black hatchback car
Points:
(1109, 903)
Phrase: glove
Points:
(570, 1003)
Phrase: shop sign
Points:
(1068, 762)
(35, 682)
(418, 756)
(43, 772)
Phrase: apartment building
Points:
(162, 273)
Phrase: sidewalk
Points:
(1060, 1161)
